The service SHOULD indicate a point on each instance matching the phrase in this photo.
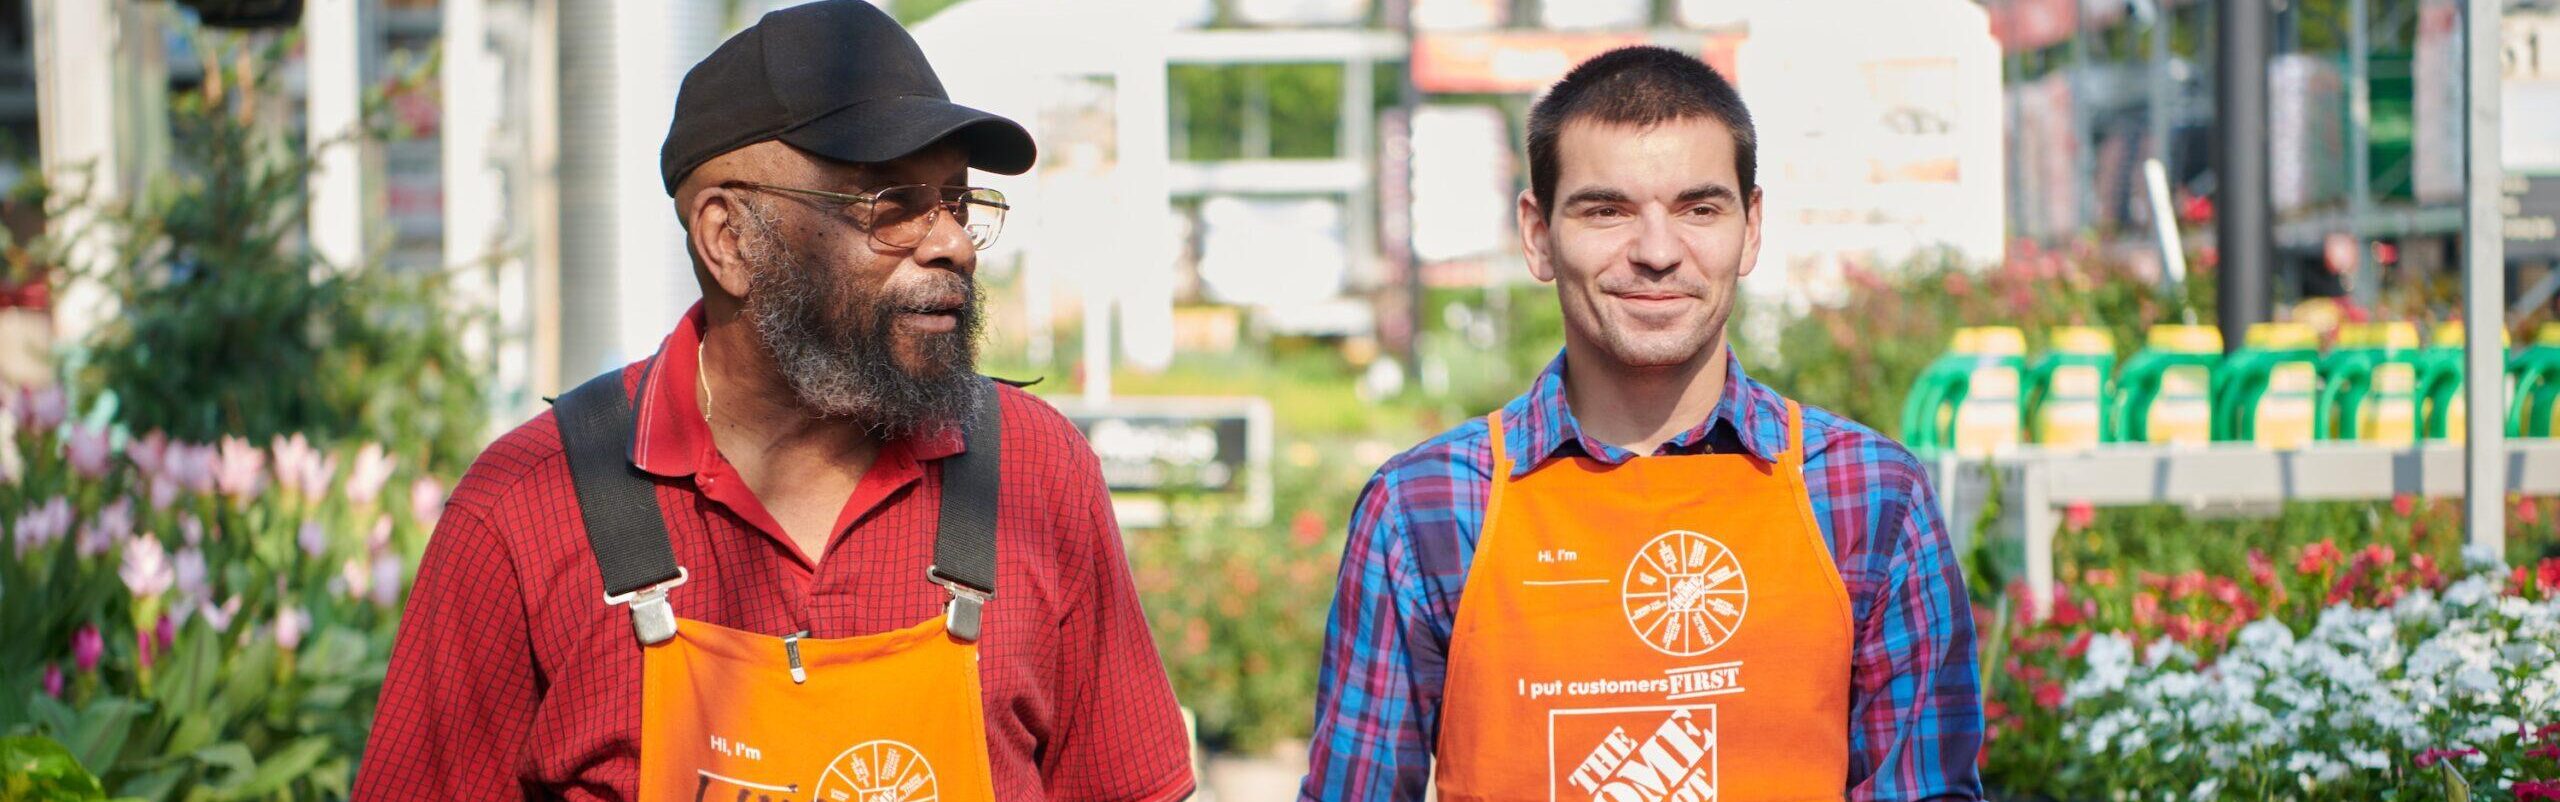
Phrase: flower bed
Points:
(2318, 672)
(197, 616)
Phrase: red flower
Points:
(2318, 558)
(2546, 730)
(2186, 585)
(2550, 751)
(2428, 759)
(2261, 569)
(2530, 790)
(1307, 529)
(2146, 610)
(2049, 695)
(2527, 511)
(2180, 628)
(2546, 575)
(2404, 504)
(2078, 515)
(2098, 578)
(2079, 646)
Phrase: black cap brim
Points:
(890, 128)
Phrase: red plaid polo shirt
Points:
(512, 678)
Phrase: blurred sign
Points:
(1462, 188)
(1291, 13)
(1154, 445)
(1508, 62)
(1460, 15)
(2529, 104)
(2532, 206)
(1596, 13)
(2023, 25)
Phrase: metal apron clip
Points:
(651, 617)
(966, 613)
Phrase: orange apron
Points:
(740, 717)
(892, 717)
(1670, 628)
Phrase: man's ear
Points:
(714, 229)
(1535, 236)
(1751, 233)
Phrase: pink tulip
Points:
(87, 449)
(241, 474)
(40, 527)
(355, 578)
(113, 524)
(313, 539)
(41, 409)
(191, 573)
(380, 537)
(372, 469)
(386, 580)
(150, 452)
(219, 618)
(194, 467)
(290, 453)
(290, 624)
(86, 647)
(164, 492)
(426, 500)
(53, 680)
(146, 571)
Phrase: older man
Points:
(775, 560)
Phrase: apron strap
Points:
(964, 540)
(625, 529)
(1794, 456)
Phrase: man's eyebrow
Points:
(1709, 191)
(1596, 195)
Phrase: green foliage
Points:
(1256, 111)
(228, 323)
(249, 669)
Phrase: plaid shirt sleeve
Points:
(1372, 710)
(1915, 701)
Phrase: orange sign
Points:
(1505, 62)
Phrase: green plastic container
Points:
(2268, 391)
(2537, 392)
(2369, 385)
(1968, 401)
(2164, 394)
(2067, 389)
(2441, 408)
(1928, 411)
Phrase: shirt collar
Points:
(673, 441)
(1540, 425)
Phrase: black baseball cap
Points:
(837, 78)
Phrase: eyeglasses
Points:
(898, 217)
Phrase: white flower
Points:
(2483, 558)
(291, 623)
(372, 469)
(146, 571)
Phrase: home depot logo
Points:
(1633, 754)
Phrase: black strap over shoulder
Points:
(964, 541)
(625, 528)
(627, 531)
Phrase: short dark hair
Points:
(1639, 85)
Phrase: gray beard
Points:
(838, 348)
